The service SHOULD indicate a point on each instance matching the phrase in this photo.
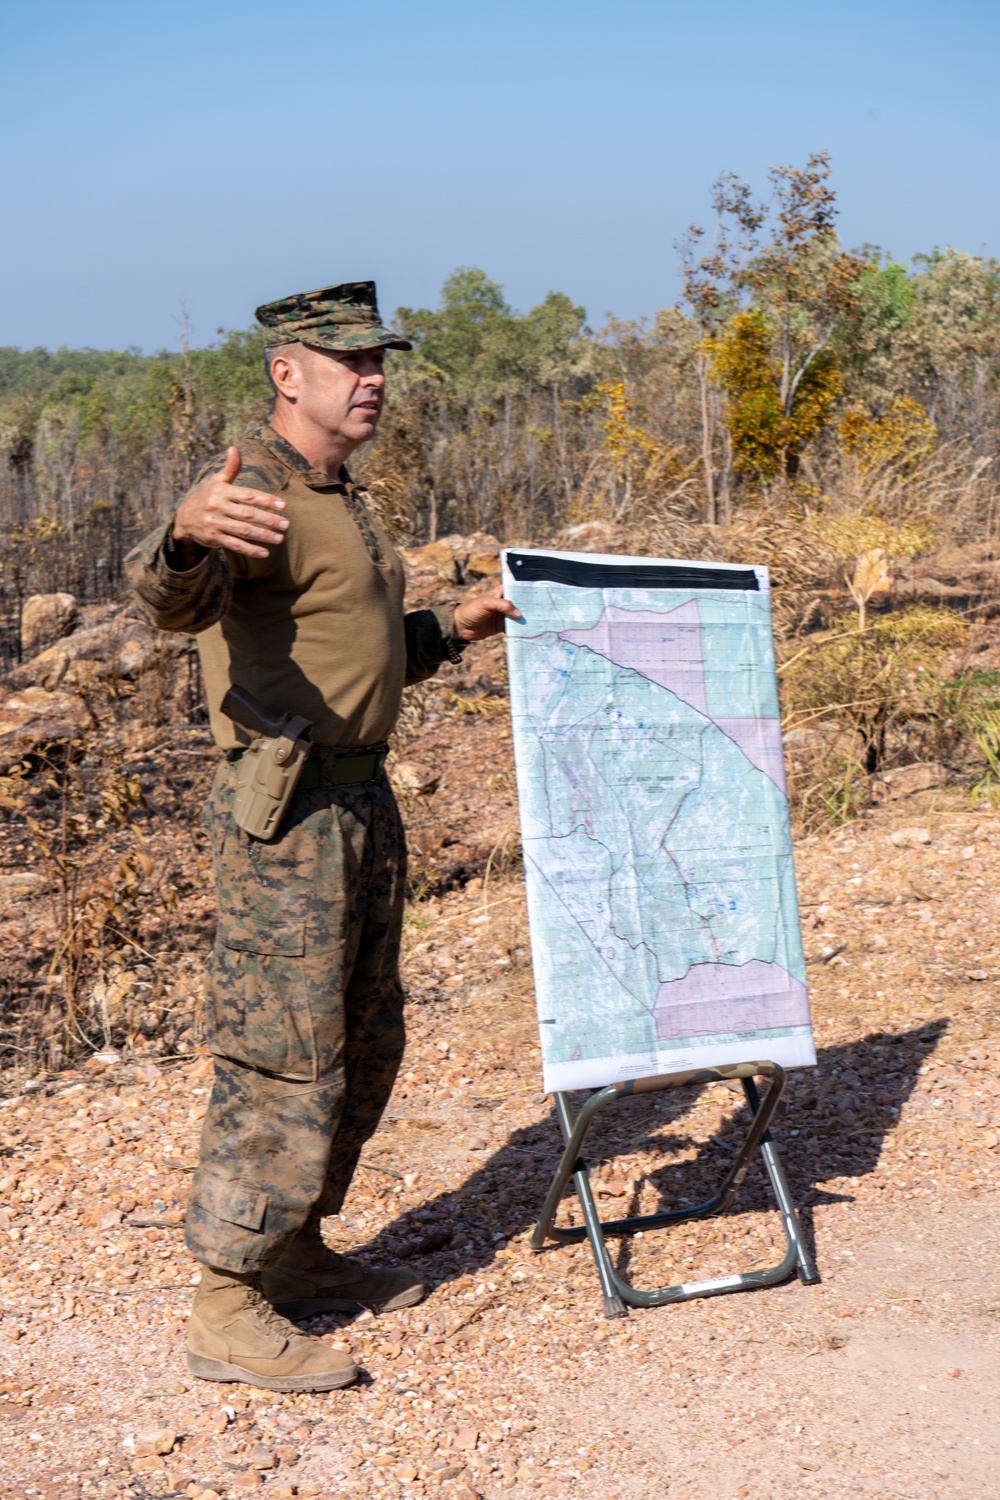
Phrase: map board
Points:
(654, 820)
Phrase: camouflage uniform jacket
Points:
(317, 628)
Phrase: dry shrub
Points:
(855, 700)
(767, 533)
(99, 882)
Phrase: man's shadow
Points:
(831, 1124)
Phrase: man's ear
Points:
(288, 371)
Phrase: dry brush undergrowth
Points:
(107, 939)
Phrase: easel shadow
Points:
(831, 1124)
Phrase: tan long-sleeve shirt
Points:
(317, 628)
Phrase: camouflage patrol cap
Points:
(335, 317)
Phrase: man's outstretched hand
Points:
(477, 618)
(219, 513)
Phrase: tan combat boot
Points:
(311, 1279)
(234, 1334)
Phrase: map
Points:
(654, 820)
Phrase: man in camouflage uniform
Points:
(296, 593)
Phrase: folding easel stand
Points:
(618, 1294)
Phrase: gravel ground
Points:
(508, 1379)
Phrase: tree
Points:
(769, 427)
(774, 359)
(952, 341)
(711, 291)
(868, 341)
(471, 336)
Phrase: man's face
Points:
(340, 392)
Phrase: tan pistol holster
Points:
(268, 770)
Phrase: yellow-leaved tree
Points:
(632, 472)
(774, 357)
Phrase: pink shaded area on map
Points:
(713, 999)
(760, 741)
(667, 648)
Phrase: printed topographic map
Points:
(657, 849)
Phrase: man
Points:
(296, 593)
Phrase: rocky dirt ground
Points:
(508, 1379)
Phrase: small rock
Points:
(110, 1220)
(467, 1438)
(148, 1463)
(903, 781)
(37, 703)
(45, 618)
(108, 1058)
(246, 1479)
(436, 1239)
(612, 1189)
(435, 558)
(260, 1457)
(16, 884)
(216, 1421)
(484, 555)
(413, 778)
(977, 975)
(155, 1437)
(910, 837)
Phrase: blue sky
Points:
(222, 154)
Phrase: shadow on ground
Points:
(831, 1124)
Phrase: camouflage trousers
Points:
(304, 1010)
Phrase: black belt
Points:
(328, 766)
